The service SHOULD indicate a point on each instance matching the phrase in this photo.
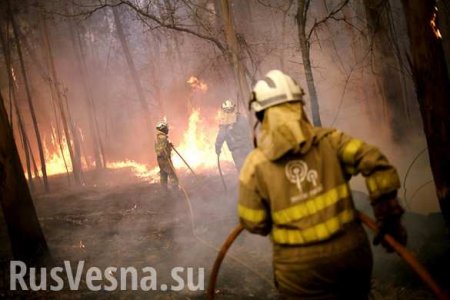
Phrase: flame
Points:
(197, 145)
(140, 170)
(197, 84)
(434, 26)
(54, 162)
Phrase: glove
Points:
(388, 213)
(218, 150)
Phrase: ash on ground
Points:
(122, 221)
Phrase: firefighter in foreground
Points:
(234, 130)
(294, 186)
(163, 149)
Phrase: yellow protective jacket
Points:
(162, 145)
(294, 185)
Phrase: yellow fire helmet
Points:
(276, 88)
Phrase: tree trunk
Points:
(76, 163)
(13, 99)
(76, 42)
(302, 11)
(444, 25)
(27, 240)
(433, 92)
(29, 99)
(130, 63)
(386, 64)
(233, 49)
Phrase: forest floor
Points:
(119, 220)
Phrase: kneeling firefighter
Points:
(163, 149)
(294, 185)
(235, 131)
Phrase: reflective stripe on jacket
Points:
(300, 195)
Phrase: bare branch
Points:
(330, 16)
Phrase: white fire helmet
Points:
(228, 106)
(162, 126)
(276, 88)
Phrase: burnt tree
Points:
(433, 91)
(29, 98)
(27, 240)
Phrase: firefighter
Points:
(294, 186)
(234, 130)
(163, 149)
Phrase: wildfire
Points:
(197, 145)
(57, 161)
(197, 84)
(139, 170)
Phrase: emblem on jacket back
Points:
(298, 172)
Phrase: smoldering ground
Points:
(125, 221)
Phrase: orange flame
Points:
(197, 84)
(197, 146)
(140, 170)
(434, 25)
(57, 161)
(54, 162)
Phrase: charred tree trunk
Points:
(30, 100)
(444, 22)
(25, 149)
(27, 240)
(13, 99)
(302, 10)
(385, 64)
(76, 163)
(433, 91)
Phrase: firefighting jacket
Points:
(162, 145)
(235, 134)
(294, 185)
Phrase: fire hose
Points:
(220, 172)
(201, 240)
(401, 250)
(185, 162)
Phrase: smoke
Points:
(96, 80)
